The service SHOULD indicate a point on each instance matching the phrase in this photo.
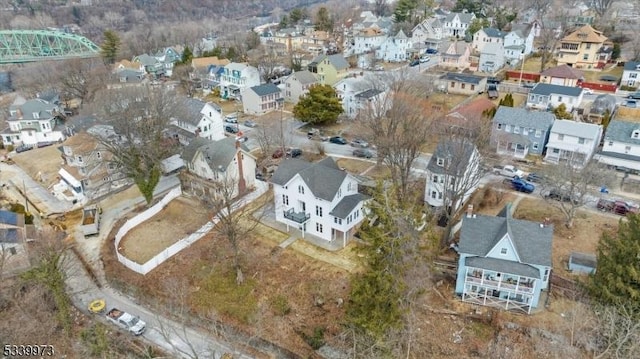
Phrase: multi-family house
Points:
(127, 77)
(621, 146)
(573, 141)
(290, 37)
(585, 48)
(394, 48)
(329, 69)
(519, 42)
(562, 75)
(202, 64)
(88, 171)
(151, 65)
(258, 100)
(452, 174)
(298, 84)
(488, 35)
(197, 119)
(428, 32)
(358, 93)
(33, 122)
(503, 262)
(456, 24)
(491, 57)
(126, 64)
(368, 40)
(236, 77)
(519, 132)
(630, 74)
(547, 96)
(318, 198)
(218, 169)
(168, 58)
(456, 55)
(463, 84)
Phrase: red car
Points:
(277, 153)
(617, 207)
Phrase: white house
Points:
(488, 35)
(32, 122)
(218, 166)
(258, 100)
(491, 57)
(630, 75)
(456, 24)
(453, 168)
(368, 40)
(395, 48)
(428, 32)
(519, 42)
(199, 119)
(357, 93)
(236, 77)
(298, 85)
(546, 96)
(318, 198)
(573, 141)
(621, 145)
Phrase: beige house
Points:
(297, 85)
(463, 84)
(258, 100)
(457, 55)
(329, 69)
(585, 48)
(563, 75)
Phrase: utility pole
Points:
(26, 200)
(280, 103)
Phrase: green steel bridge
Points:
(19, 46)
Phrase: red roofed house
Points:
(469, 117)
(563, 75)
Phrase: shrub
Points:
(280, 305)
(316, 340)
(628, 88)
(18, 208)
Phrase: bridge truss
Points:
(19, 46)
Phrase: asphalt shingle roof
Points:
(218, 154)
(577, 129)
(305, 77)
(563, 71)
(631, 66)
(192, 108)
(453, 76)
(323, 178)
(465, 17)
(531, 241)
(43, 108)
(337, 60)
(548, 89)
(458, 151)
(265, 89)
(347, 204)
(622, 131)
(368, 93)
(503, 266)
(524, 118)
(492, 32)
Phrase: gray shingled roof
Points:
(465, 17)
(43, 108)
(337, 60)
(347, 204)
(453, 76)
(192, 108)
(305, 77)
(492, 48)
(622, 131)
(323, 178)
(217, 153)
(524, 118)
(368, 93)
(491, 32)
(147, 60)
(265, 89)
(623, 156)
(548, 89)
(459, 151)
(189, 152)
(531, 241)
(577, 129)
(631, 65)
(503, 266)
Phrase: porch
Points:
(558, 154)
(513, 145)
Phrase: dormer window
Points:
(440, 161)
(36, 115)
(636, 134)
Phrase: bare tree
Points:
(381, 7)
(81, 78)
(601, 7)
(541, 7)
(617, 332)
(566, 185)
(269, 136)
(139, 116)
(267, 61)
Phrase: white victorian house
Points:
(237, 77)
(428, 32)
(199, 119)
(318, 198)
(455, 24)
(621, 145)
(573, 141)
(33, 122)
(488, 35)
(358, 93)
(395, 48)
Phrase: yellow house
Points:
(585, 48)
(329, 69)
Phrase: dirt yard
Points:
(41, 164)
(354, 166)
(177, 220)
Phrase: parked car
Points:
(415, 62)
(563, 196)
(534, 177)
(634, 95)
(242, 139)
(231, 129)
(618, 207)
(231, 118)
(630, 103)
(493, 80)
(359, 143)
(424, 59)
(363, 153)
(277, 153)
(338, 140)
(249, 123)
(23, 148)
(521, 185)
(293, 152)
(587, 91)
(431, 51)
(508, 171)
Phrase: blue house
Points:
(504, 262)
(518, 132)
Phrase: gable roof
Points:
(480, 233)
(207, 61)
(548, 89)
(621, 131)
(521, 30)
(305, 77)
(218, 154)
(585, 34)
(146, 60)
(456, 150)
(524, 118)
(492, 48)
(192, 108)
(323, 178)
(472, 109)
(401, 35)
(347, 204)
(454, 76)
(370, 93)
(492, 32)
(632, 66)
(337, 60)
(563, 71)
(43, 108)
(577, 129)
(465, 17)
(265, 89)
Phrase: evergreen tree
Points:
(617, 278)
(284, 22)
(296, 15)
(323, 20)
(187, 56)
(320, 106)
(110, 47)
(507, 101)
(476, 25)
(404, 10)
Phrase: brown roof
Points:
(211, 60)
(563, 71)
(126, 64)
(472, 110)
(81, 143)
(586, 34)
(370, 31)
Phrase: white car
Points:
(424, 59)
(587, 91)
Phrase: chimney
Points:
(469, 211)
(242, 184)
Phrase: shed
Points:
(582, 262)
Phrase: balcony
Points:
(298, 217)
(506, 282)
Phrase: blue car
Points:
(415, 62)
(521, 185)
(431, 51)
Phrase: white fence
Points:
(172, 250)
